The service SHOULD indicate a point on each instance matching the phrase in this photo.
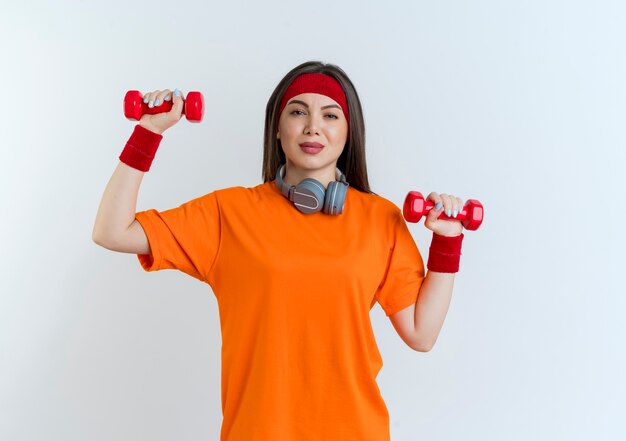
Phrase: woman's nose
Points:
(311, 124)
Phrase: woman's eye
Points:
(332, 115)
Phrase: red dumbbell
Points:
(134, 107)
(415, 207)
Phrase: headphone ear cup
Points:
(308, 196)
(335, 197)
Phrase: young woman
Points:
(295, 263)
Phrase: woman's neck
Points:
(294, 175)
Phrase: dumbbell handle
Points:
(462, 215)
(165, 106)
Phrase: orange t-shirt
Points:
(294, 292)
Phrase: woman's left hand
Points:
(452, 206)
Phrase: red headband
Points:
(316, 83)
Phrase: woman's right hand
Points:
(160, 122)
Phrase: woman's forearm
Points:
(431, 307)
(118, 204)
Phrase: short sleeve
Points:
(185, 238)
(405, 269)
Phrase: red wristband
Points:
(141, 148)
(445, 253)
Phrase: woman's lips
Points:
(311, 147)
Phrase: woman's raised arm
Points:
(115, 227)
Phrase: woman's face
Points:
(314, 118)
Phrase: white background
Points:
(520, 104)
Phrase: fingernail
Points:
(448, 212)
(157, 102)
(167, 98)
(177, 92)
(438, 206)
(151, 103)
(454, 213)
(145, 100)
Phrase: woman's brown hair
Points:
(352, 160)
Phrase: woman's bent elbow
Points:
(133, 240)
(99, 239)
